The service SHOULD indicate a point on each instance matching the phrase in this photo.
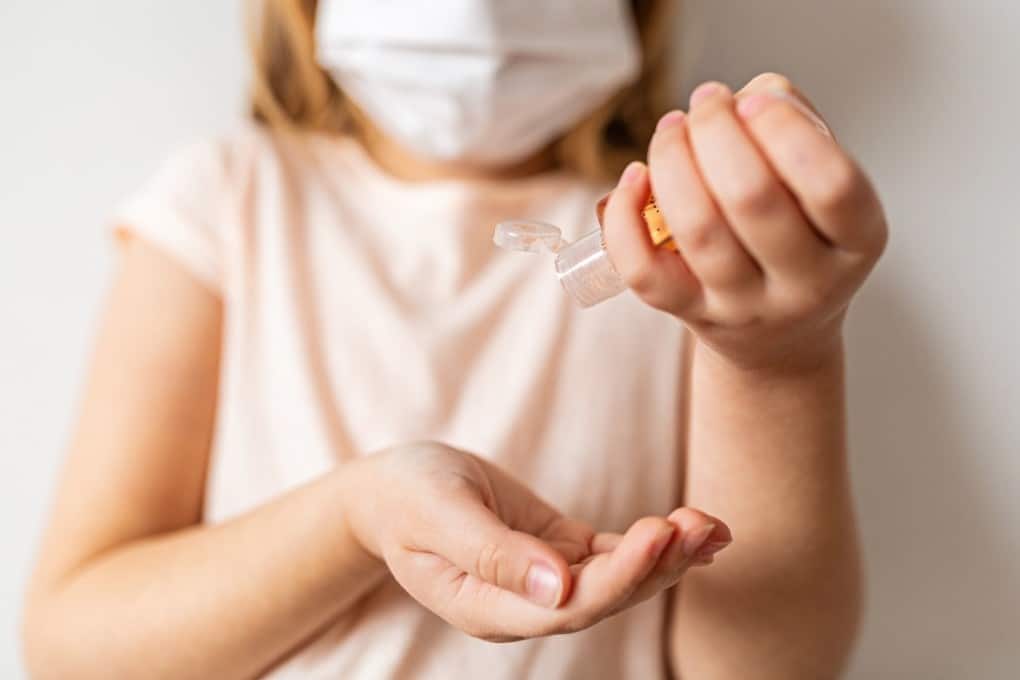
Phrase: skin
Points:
(765, 439)
(777, 228)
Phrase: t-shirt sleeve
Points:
(180, 210)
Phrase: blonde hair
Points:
(290, 91)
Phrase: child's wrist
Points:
(353, 483)
(817, 356)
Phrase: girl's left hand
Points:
(776, 226)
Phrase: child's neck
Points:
(401, 163)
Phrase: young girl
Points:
(332, 432)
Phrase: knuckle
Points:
(641, 279)
(839, 183)
(446, 484)
(699, 231)
(753, 195)
(657, 291)
(487, 564)
(807, 303)
(733, 273)
(801, 302)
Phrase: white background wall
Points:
(92, 95)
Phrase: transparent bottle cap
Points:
(583, 267)
(528, 236)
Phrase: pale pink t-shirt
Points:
(362, 311)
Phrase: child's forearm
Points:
(767, 453)
(224, 601)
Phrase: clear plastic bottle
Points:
(583, 267)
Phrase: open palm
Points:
(479, 549)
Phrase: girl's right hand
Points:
(479, 549)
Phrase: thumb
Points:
(483, 546)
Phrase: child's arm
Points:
(768, 452)
(776, 229)
(130, 583)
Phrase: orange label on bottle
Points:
(662, 237)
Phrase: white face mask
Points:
(480, 81)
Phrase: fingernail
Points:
(694, 540)
(803, 108)
(669, 120)
(753, 104)
(703, 91)
(712, 547)
(631, 173)
(543, 586)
